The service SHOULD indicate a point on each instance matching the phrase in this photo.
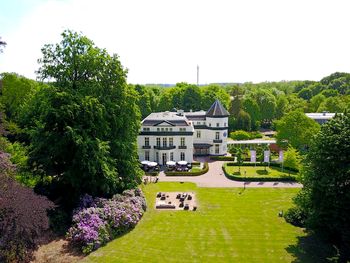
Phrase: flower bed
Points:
(98, 220)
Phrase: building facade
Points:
(175, 136)
(322, 117)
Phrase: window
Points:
(158, 142)
(162, 129)
(225, 124)
(157, 157)
(157, 129)
(147, 155)
(209, 124)
(146, 141)
(182, 141)
(182, 129)
(217, 136)
(171, 156)
(164, 142)
(170, 129)
(146, 129)
(217, 124)
(217, 148)
(166, 129)
(198, 134)
(171, 141)
(198, 123)
(182, 156)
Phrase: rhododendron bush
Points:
(98, 220)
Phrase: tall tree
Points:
(87, 135)
(15, 91)
(325, 197)
(192, 98)
(296, 129)
(243, 121)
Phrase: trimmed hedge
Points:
(256, 179)
(263, 165)
(203, 171)
(155, 173)
(196, 163)
(222, 158)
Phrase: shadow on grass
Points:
(312, 248)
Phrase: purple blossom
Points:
(97, 220)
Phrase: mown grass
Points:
(258, 172)
(230, 225)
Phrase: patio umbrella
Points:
(152, 164)
(182, 162)
(145, 162)
(170, 163)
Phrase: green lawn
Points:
(258, 171)
(231, 225)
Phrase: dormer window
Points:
(217, 124)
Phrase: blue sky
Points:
(163, 41)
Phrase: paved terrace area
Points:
(215, 178)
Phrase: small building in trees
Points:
(175, 136)
(322, 117)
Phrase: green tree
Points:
(296, 129)
(325, 197)
(316, 101)
(15, 91)
(252, 108)
(291, 159)
(332, 104)
(243, 121)
(305, 93)
(86, 137)
(212, 93)
(281, 107)
(192, 98)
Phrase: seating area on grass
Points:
(176, 201)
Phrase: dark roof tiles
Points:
(217, 110)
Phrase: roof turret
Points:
(217, 110)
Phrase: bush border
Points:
(203, 171)
(256, 179)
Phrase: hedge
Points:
(155, 173)
(203, 171)
(263, 165)
(257, 179)
(222, 158)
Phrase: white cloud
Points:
(163, 41)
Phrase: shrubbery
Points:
(244, 135)
(98, 220)
(24, 223)
(295, 216)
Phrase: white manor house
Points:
(177, 136)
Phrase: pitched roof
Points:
(217, 110)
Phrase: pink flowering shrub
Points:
(98, 220)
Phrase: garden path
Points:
(215, 178)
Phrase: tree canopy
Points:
(296, 129)
(325, 197)
(85, 135)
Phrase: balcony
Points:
(217, 141)
(182, 147)
(164, 147)
(146, 147)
